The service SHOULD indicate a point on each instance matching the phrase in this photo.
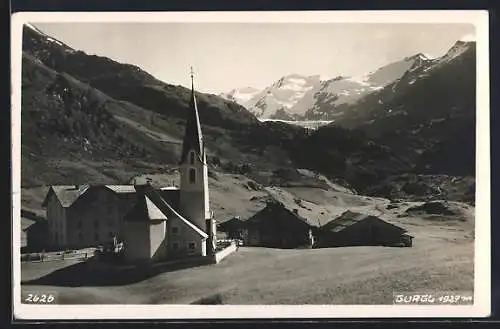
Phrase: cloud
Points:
(468, 37)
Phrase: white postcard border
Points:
(482, 284)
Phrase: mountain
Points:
(281, 99)
(428, 114)
(89, 119)
(298, 97)
(335, 95)
(129, 83)
(240, 95)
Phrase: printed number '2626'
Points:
(40, 298)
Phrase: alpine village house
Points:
(153, 224)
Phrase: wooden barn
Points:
(355, 229)
(277, 226)
(232, 227)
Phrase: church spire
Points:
(193, 140)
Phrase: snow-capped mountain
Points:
(428, 114)
(448, 80)
(335, 94)
(240, 95)
(298, 97)
(47, 39)
(279, 100)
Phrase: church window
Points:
(191, 247)
(175, 245)
(191, 157)
(175, 230)
(192, 175)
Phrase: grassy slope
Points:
(357, 275)
(441, 259)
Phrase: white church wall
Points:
(179, 236)
(157, 231)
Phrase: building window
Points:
(191, 157)
(175, 230)
(175, 245)
(192, 175)
(191, 247)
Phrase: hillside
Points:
(92, 119)
(79, 109)
(130, 83)
(65, 121)
(428, 115)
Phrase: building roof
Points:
(273, 206)
(144, 210)
(162, 206)
(66, 194)
(121, 188)
(153, 211)
(349, 218)
(230, 222)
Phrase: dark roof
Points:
(122, 189)
(145, 210)
(349, 218)
(66, 194)
(171, 195)
(232, 221)
(193, 138)
(272, 207)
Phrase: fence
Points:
(58, 256)
(225, 252)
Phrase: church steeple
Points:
(193, 139)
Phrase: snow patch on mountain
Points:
(299, 97)
(48, 38)
(240, 95)
(284, 95)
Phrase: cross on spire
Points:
(192, 78)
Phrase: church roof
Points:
(153, 211)
(160, 205)
(144, 210)
(193, 138)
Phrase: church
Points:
(153, 224)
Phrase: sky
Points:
(225, 56)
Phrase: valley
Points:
(378, 144)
